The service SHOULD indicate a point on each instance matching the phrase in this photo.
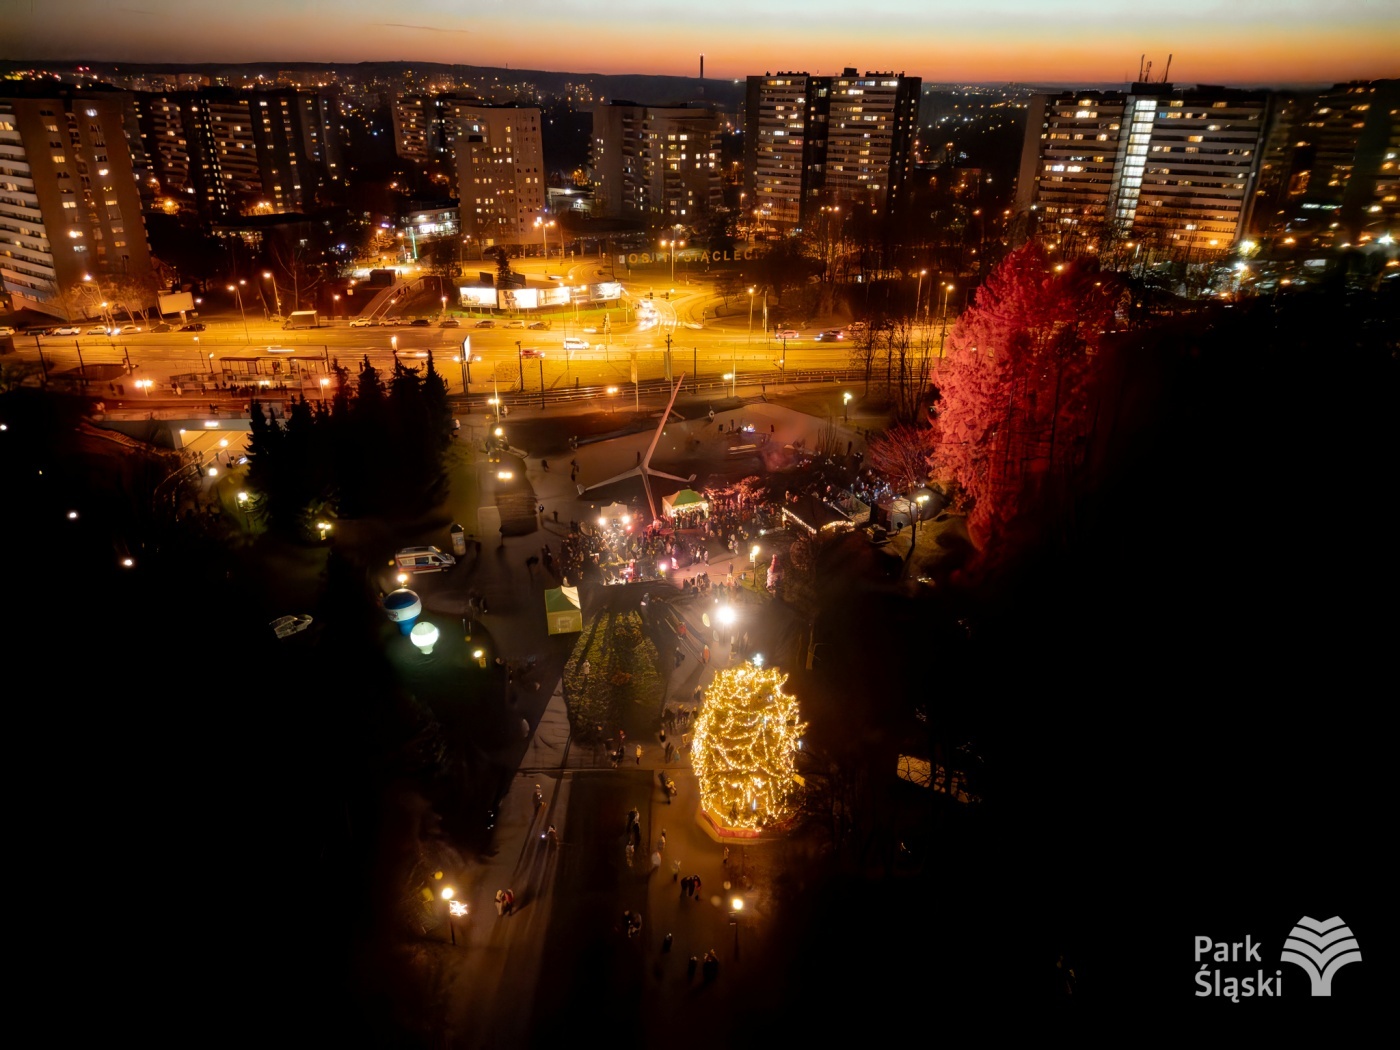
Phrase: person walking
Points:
(509, 904)
(500, 902)
(661, 842)
(638, 753)
(670, 747)
(726, 856)
(706, 654)
(695, 886)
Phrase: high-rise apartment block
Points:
(226, 153)
(811, 141)
(1332, 166)
(70, 212)
(1172, 169)
(656, 162)
(499, 160)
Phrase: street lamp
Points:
(394, 342)
(454, 908)
(846, 403)
(444, 308)
(943, 321)
(324, 383)
(144, 384)
(750, 337)
(543, 227)
(276, 298)
(918, 293)
(237, 290)
(918, 513)
(612, 405)
(673, 244)
(541, 380)
(733, 378)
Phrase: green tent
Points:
(563, 614)
(685, 499)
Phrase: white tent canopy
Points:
(615, 511)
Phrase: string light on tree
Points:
(745, 740)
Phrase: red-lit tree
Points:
(905, 455)
(1016, 382)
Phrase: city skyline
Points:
(1290, 42)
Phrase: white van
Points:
(572, 343)
(423, 559)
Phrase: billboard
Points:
(176, 302)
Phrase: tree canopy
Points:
(1016, 383)
(372, 449)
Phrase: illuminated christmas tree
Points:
(745, 740)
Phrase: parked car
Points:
(97, 329)
(539, 326)
(486, 323)
(193, 326)
(361, 322)
(420, 322)
(162, 327)
(786, 333)
(286, 626)
(450, 322)
(857, 326)
(515, 324)
(390, 322)
(66, 329)
(830, 335)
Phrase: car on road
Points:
(515, 324)
(830, 335)
(451, 322)
(193, 326)
(591, 330)
(286, 626)
(97, 329)
(539, 326)
(487, 323)
(66, 329)
(573, 343)
(280, 349)
(162, 327)
(786, 333)
(7, 330)
(390, 322)
(126, 329)
(361, 322)
(530, 351)
(420, 322)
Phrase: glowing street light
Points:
(237, 290)
(276, 298)
(144, 384)
(543, 226)
(455, 908)
(846, 403)
(750, 337)
(918, 293)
